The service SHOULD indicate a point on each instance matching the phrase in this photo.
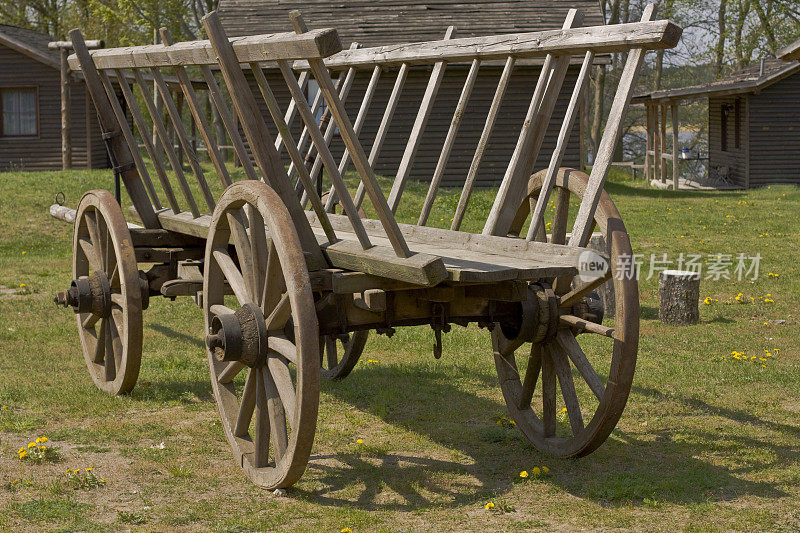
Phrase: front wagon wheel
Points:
(262, 342)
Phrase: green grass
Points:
(705, 444)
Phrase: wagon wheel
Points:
(263, 341)
(107, 291)
(338, 354)
(571, 346)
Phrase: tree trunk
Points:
(680, 297)
(743, 11)
(720, 50)
(765, 24)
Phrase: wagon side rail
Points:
(556, 48)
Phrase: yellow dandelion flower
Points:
(22, 285)
(489, 505)
(103, 480)
(359, 441)
(88, 468)
(23, 454)
(42, 440)
(536, 471)
(31, 444)
(545, 469)
(22, 449)
(24, 252)
(346, 530)
(523, 474)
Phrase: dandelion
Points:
(5, 408)
(545, 469)
(24, 252)
(523, 474)
(536, 471)
(42, 440)
(31, 445)
(359, 441)
(23, 454)
(346, 530)
(489, 506)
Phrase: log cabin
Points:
(385, 22)
(753, 124)
(30, 107)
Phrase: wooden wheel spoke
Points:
(273, 284)
(247, 404)
(282, 377)
(330, 351)
(230, 372)
(277, 416)
(94, 235)
(531, 376)
(284, 347)
(567, 388)
(117, 299)
(90, 320)
(559, 229)
(232, 274)
(258, 247)
(219, 309)
(108, 246)
(110, 362)
(90, 252)
(100, 343)
(113, 279)
(585, 325)
(569, 345)
(238, 224)
(280, 314)
(262, 429)
(548, 395)
(577, 294)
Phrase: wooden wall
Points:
(504, 138)
(734, 158)
(43, 152)
(775, 133)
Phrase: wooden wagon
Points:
(289, 293)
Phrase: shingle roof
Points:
(380, 22)
(790, 51)
(29, 42)
(752, 78)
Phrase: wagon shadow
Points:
(628, 468)
(624, 189)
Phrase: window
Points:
(18, 112)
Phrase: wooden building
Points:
(383, 22)
(753, 125)
(30, 107)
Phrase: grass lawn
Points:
(708, 442)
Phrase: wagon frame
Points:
(281, 286)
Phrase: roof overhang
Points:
(790, 52)
(27, 50)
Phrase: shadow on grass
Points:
(624, 189)
(628, 468)
(171, 333)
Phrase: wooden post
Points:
(675, 160)
(662, 137)
(66, 105)
(680, 297)
(656, 143)
(648, 140)
(87, 105)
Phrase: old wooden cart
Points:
(286, 291)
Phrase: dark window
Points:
(19, 112)
(736, 121)
(725, 111)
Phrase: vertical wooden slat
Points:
(675, 160)
(662, 138)
(166, 143)
(284, 131)
(483, 142)
(108, 123)
(582, 229)
(648, 140)
(383, 129)
(144, 133)
(291, 111)
(360, 119)
(322, 148)
(129, 137)
(449, 140)
(424, 113)
(183, 139)
(228, 122)
(260, 140)
(199, 117)
(87, 108)
(66, 112)
(512, 188)
(537, 218)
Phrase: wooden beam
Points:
(449, 140)
(483, 142)
(66, 113)
(675, 160)
(582, 229)
(615, 38)
(270, 47)
(662, 137)
(424, 113)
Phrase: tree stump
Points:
(680, 297)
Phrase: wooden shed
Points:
(30, 107)
(383, 22)
(753, 124)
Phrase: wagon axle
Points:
(91, 294)
(241, 336)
